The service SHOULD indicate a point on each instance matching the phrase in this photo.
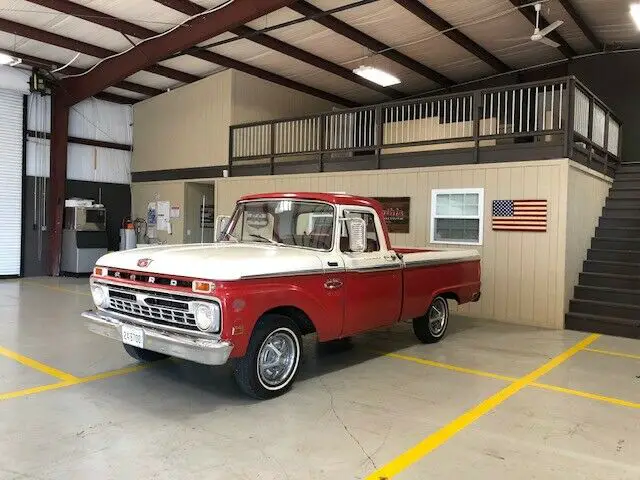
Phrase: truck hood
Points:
(216, 261)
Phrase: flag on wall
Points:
(519, 215)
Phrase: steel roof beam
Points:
(189, 8)
(86, 48)
(129, 28)
(304, 8)
(529, 13)
(434, 20)
(146, 53)
(582, 25)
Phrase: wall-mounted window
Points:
(457, 216)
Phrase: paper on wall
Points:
(163, 216)
(175, 211)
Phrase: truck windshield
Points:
(284, 222)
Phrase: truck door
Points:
(373, 293)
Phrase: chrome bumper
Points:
(209, 351)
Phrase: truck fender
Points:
(290, 300)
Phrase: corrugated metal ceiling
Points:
(493, 24)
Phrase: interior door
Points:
(373, 293)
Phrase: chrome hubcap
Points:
(277, 358)
(437, 317)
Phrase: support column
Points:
(57, 177)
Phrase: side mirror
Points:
(357, 229)
(222, 222)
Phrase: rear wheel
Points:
(144, 355)
(432, 326)
(271, 362)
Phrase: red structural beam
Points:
(147, 53)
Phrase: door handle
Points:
(333, 284)
(390, 257)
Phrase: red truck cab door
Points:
(373, 279)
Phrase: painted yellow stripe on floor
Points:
(76, 381)
(438, 438)
(41, 367)
(614, 354)
(34, 390)
(116, 373)
(591, 396)
(453, 368)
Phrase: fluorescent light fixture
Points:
(634, 10)
(376, 75)
(9, 60)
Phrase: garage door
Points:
(10, 181)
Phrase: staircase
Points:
(607, 297)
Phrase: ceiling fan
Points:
(541, 35)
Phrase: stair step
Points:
(624, 192)
(612, 243)
(629, 167)
(606, 309)
(621, 222)
(606, 294)
(621, 212)
(617, 267)
(620, 175)
(618, 232)
(585, 322)
(613, 255)
(615, 202)
(611, 280)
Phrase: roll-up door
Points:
(11, 105)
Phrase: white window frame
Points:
(480, 216)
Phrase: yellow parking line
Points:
(41, 367)
(544, 386)
(116, 373)
(75, 381)
(436, 439)
(592, 396)
(453, 368)
(614, 354)
(33, 390)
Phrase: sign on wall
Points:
(519, 215)
(396, 213)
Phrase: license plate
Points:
(133, 336)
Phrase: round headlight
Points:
(207, 317)
(100, 297)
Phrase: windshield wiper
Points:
(260, 237)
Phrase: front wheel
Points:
(143, 355)
(271, 362)
(431, 327)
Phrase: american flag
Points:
(519, 215)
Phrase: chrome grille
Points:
(153, 307)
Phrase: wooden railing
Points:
(558, 117)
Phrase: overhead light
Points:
(9, 60)
(634, 10)
(376, 75)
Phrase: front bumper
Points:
(208, 351)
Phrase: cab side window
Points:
(373, 244)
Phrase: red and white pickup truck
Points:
(285, 265)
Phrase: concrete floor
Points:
(350, 413)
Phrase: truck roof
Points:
(338, 198)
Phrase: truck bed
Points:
(428, 273)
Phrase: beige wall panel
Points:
(254, 100)
(522, 272)
(143, 193)
(187, 127)
(587, 192)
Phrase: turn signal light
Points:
(100, 272)
(199, 286)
